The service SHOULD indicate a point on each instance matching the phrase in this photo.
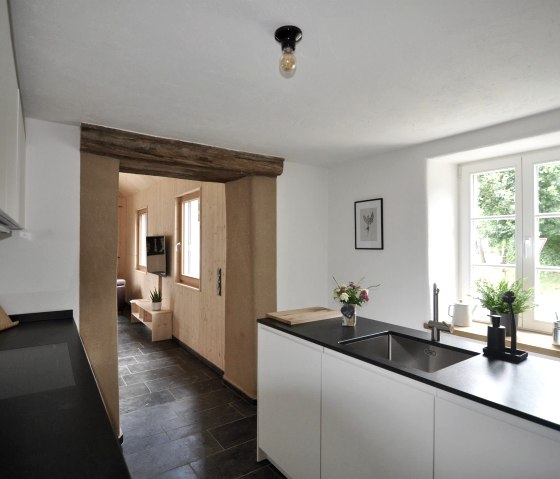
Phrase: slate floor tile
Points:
(161, 458)
(159, 346)
(176, 381)
(197, 388)
(244, 407)
(126, 392)
(153, 364)
(177, 416)
(200, 421)
(125, 361)
(267, 472)
(229, 464)
(126, 352)
(132, 347)
(152, 374)
(236, 432)
(183, 472)
(202, 402)
(145, 401)
(132, 443)
(148, 417)
(143, 357)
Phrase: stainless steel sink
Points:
(407, 351)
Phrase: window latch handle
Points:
(527, 249)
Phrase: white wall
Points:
(443, 231)
(412, 183)
(40, 266)
(402, 266)
(302, 237)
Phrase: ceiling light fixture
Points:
(288, 36)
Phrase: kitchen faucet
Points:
(436, 325)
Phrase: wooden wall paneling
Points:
(251, 274)
(98, 270)
(213, 257)
(198, 315)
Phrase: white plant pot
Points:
(156, 306)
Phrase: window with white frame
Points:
(510, 229)
(141, 233)
(188, 251)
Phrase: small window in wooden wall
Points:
(141, 233)
(189, 247)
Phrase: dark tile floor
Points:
(178, 419)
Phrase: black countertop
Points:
(530, 390)
(52, 419)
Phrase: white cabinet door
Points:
(289, 403)
(375, 424)
(475, 441)
(11, 132)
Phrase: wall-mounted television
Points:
(156, 255)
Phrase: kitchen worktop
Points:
(529, 390)
(53, 420)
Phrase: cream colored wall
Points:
(198, 316)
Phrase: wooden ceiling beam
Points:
(151, 155)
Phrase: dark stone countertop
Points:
(529, 390)
(53, 422)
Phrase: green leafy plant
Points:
(155, 295)
(490, 295)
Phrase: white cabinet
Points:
(472, 440)
(374, 423)
(325, 414)
(289, 403)
(12, 136)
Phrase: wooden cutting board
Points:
(304, 315)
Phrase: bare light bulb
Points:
(288, 63)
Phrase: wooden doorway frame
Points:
(250, 205)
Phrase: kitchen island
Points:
(54, 423)
(357, 412)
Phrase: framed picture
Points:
(368, 224)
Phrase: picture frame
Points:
(368, 224)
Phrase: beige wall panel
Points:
(198, 316)
(251, 274)
(123, 251)
(98, 270)
(214, 258)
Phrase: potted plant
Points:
(155, 295)
(490, 296)
(350, 295)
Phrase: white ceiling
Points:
(373, 75)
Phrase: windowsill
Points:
(528, 340)
(193, 288)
